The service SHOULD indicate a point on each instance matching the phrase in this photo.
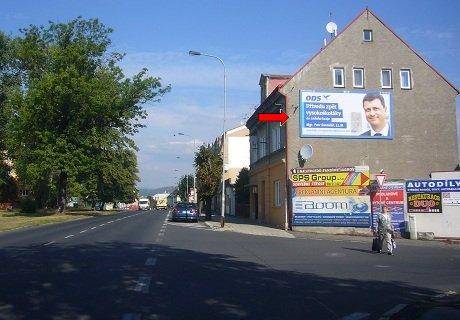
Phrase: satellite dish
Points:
(331, 27)
(306, 151)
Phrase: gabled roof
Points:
(394, 33)
(267, 102)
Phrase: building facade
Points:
(236, 157)
(367, 56)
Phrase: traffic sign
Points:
(381, 178)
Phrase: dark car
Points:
(184, 212)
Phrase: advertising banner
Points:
(433, 185)
(331, 177)
(331, 191)
(451, 199)
(390, 195)
(424, 202)
(357, 114)
(333, 211)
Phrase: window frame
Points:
(391, 78)
(370, 33)
(401, 71)
(343, 77)
(354, 82)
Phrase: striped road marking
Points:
(393, 311)
(69, 236)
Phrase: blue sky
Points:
(252, 37)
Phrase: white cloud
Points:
(180, 69)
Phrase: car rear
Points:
(185, 212)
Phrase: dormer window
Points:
(367, 35)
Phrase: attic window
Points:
(367, 35)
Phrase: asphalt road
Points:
(138, 265)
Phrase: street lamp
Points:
(196, 53)
(195, 198)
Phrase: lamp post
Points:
(196, 53)
(195, 198)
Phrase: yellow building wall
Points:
(265, 179)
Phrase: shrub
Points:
(28, 205)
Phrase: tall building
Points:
(365, 99)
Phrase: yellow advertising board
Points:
(330, 179)
(331, 191)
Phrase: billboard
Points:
(424, 202)
(357, 114)
(333, 211)
(390, 195)
(331, 177)
(433, 185)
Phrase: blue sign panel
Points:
(433, 185)
(333, 211)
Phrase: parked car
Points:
(184, 212)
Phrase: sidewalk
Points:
(246, 226)
(254, 227)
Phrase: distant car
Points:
(184, 212)
(144, 204)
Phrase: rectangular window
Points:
(367, 35)
(253, 145)
(275, 137)
(338, 77)
(262, 146)
(405, 77)
(385, 79)
(277, 193)
(358, 78)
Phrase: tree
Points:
(242, 187)
(74, 111)
(208, 174)
(182, 188)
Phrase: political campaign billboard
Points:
(355, 114)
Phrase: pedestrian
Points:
(385, 231)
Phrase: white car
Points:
(144, 204)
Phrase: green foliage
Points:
(70, 118)
(8, 184)
(209, 172)
(28, 205)
(242, 187)
(182, 188)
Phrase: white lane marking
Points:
(69, 236)
(143, 284)
(109, 222)
(445, 294)
(101, 225)
(93, 228)
(83, 231)
(48, 243)
(131, 316)
(151, 262)
(355, 316)
(381, 266)
(394, 310)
